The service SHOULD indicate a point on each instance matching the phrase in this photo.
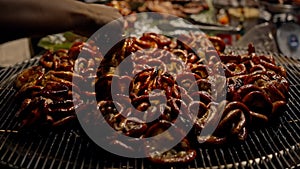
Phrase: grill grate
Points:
(277, 146)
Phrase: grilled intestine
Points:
(46, 91)
(162, 79)
(256, 90)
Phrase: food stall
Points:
(223, 75)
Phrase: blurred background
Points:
(271, 25)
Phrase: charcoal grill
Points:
(277, 146)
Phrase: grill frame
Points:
(276, 146)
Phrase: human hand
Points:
(96, 16)
(29, 18)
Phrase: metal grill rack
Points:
(276, 146)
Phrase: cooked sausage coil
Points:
(47, 93)
(143, 84)
(256, 88)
